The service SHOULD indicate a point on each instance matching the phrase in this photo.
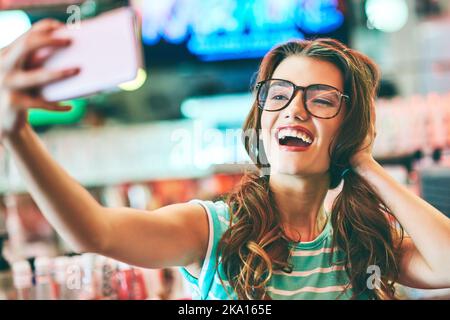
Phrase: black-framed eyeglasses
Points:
(320, 100)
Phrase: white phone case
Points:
(106, 49)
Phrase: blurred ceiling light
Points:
(387, 15)
(13, 24)
(136, 83)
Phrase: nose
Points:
(296, 108)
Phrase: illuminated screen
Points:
(212, 30)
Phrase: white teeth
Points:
(294, 133)
(300, 135)
(304, 137)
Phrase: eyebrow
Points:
(278, 80)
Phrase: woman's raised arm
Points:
(175, 235)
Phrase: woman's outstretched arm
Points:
(175, 235)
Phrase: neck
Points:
(299, 201)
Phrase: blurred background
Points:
(172, 134)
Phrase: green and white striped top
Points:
(312, 277)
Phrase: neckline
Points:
(306, 245)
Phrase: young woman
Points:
(311, 126)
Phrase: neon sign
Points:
(229, 29)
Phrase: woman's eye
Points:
(322, 101)
(278, 97)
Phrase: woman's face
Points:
(302, 71)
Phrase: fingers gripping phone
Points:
(107, 50)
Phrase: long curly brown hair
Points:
(255, 245)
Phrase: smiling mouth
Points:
(293, 142)
(290, 137)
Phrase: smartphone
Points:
(107, 50)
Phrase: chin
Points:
(297, 168)
(289, 170)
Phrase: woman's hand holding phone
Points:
(22, 75)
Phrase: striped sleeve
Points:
(218, 220)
